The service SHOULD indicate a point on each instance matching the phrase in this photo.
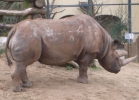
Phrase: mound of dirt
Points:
(58, 83)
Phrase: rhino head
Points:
(112, 61)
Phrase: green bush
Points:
(1, 51)
(116, 31)
(68, 67)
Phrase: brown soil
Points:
(58, 83)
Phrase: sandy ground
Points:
(58, 83)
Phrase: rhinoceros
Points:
(55, 42)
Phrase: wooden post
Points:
(137, 41)
(31, 4)
(135, 51)
(132, 48)
(126, 47)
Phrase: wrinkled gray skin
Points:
(55, 42)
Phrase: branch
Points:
(24, 12)
(6, 25)
(53, 2)
(83, 10)
(52, 5)
(55, 13)
(97, 9)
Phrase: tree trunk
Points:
(39, 3)
(6, 25)
(31, 5)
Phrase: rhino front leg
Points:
(82, 78)
(84, 62)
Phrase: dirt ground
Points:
(58, 83)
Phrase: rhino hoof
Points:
(18, 89)
(26, 84)
(83, 80)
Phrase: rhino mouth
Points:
(114, 70)
(118, 70)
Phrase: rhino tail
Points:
(11, 33)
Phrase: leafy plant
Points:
(120, 27)
(1, 51)
(69, 68)
(94, 66)
(9, 19)
(26, 4)
(116, 31)
(13, 19)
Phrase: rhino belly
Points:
(56, 57)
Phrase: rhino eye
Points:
(117, 58)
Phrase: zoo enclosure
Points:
(87, 5)
(129, 47)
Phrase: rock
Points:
(2, 42)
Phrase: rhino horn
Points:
(128, 60)
(121, 53)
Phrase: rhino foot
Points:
(18, 89)
(83, 80)
(26, 84)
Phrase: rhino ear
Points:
(115, 43)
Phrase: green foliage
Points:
(120, 27)
(13, 19)
(116, 28)
(1, 51)
(26, 4)
(15, 6)
(2, 4)
(116, 31)
(10, 19)
(4, 33)
(68, 67)
(94, 66)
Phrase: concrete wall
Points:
(3, 42)
(104, 10)
(135, 16)
(109, 9)
(68, 10)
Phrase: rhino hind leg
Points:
(25, 52)
(84, 62)
(16, 77)
(19, 74)
(24, 78)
